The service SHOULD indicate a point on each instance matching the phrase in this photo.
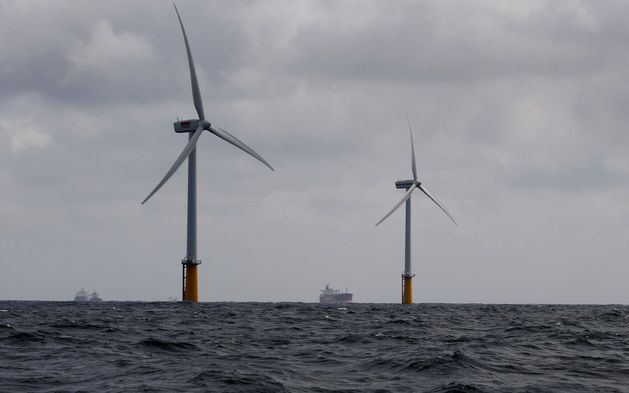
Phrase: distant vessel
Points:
(333, 296)
(95, 298)
(82, 296)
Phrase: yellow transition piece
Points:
(191, 292)
(407, 292)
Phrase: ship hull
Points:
(337, 298)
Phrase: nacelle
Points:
(186, 125)
(404, 184)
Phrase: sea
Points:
(307, 347)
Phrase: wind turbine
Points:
(194, 128)
(410, 186)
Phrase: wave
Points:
(167, 345)
(267, 347)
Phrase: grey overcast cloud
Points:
(519, 111)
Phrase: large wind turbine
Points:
(410, 186)
(194, 128)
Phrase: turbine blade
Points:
(196, 93)
(413, 164)
(226, 136)
(425, 191)
(192, 143)
(406, 196)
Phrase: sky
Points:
(519, 113)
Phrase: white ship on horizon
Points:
(84, 296)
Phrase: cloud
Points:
(427, 41)
(23, 134)
(108, 52)
(111, 66)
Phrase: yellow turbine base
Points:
(191, 290)
(407, 290)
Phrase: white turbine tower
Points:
(194, 128)
(410, 186)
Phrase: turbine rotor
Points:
(196, 126)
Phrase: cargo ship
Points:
(84, 296)
(334, 296)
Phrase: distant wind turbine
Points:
(194, 128)
(410, 186)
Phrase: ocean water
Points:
(297, 347)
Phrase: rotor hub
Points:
(205, 124)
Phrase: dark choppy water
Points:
(292, 347)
